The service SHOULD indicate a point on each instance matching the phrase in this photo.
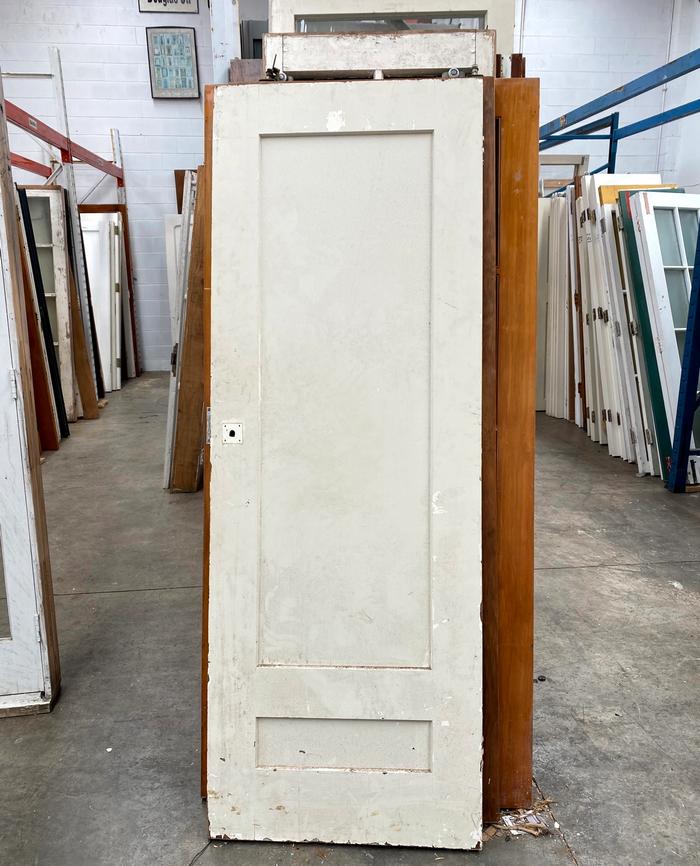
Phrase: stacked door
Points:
(345, 694)
(29, 667)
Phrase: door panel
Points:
(345, 568)
(103, 265)
(21, 669)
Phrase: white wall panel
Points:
(105, 67)
(583, 50)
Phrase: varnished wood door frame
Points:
(508, 616)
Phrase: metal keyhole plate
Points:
(233, 433)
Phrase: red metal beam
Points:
(19, 117)
(27, 164)
(81, 154)
(70, 150)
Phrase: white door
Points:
(115, 266)
(173, 228)
(21, 669)
(179, 241)
(345, 574)
(667, 228)
(103, 256)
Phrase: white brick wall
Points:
(680, 156)
(105, 65)
(581, 50)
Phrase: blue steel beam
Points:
(659, 119)
(559, 139)
(581, 132)
(656, 78)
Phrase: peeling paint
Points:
(437, 508)
(335, 121)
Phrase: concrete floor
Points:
(616, 734)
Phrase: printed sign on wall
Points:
(172, 61)
(189, 6)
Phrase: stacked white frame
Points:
(102, 239)
(25, 681)
(179, 246)
(622, 430)
(619, 413)
(556, 373)
(544, 208)
(574, 301)
(650, 438)
(34, 310)
(499, 14)
(50, 203)
(623, 316)
(663, 308)
(173, 227)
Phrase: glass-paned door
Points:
(668, 228)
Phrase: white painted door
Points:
(344, 690)
(667, 228)
(100, 251)
(179, 246)
(48, 223)
(115, 266)
(173, 228)
(21, 669)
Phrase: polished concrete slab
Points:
(111, 776)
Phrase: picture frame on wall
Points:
(188, 7)
(172, 62)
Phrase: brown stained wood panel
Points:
(246, 71)
(189, 429)
(179, 187)
(123, 210)
(206, 325)
(18, 284)
(580, 386)
(489, 611)
(81, 359)
(45, 419)
(517, 111)
(517, 66)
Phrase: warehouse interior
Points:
(209, 213)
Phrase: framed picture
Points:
(172, 61)
(190, 7)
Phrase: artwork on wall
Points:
(189, 6)
(172, 61)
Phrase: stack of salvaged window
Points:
(620, 253)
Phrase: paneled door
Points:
(345, 692)
(46, 207)
(667, 227)
(102, 242)
(22, 672)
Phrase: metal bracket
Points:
(275, 73)
(461, 72)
